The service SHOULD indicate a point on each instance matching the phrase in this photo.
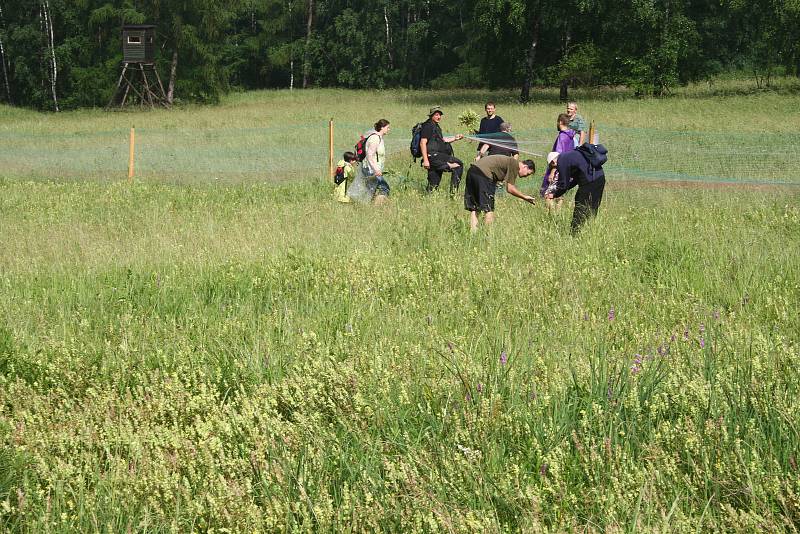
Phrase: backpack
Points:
(339, 177)
(416, 136)
(596, 155)
(361, 147)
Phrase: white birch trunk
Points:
(53, 67)
(173, 70)
(3, 58)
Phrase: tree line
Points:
(59, 54)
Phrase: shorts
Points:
(479, 191)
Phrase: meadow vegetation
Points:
(211, 351)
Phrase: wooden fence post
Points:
(130, 157)
(330, 148)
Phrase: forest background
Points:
(60, 54)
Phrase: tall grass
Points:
(251, 357)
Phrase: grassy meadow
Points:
(218, 346)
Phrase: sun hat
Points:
(435, 109)
(551, 156)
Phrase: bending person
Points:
(574, 168)
(482, 179)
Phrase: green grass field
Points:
(218, 346)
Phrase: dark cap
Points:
(435, 109)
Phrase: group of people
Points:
(497, 163)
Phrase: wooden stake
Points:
(130, 158)
(592, 134)
(330, 148)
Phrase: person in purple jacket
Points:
(573, 168)
(564, 143)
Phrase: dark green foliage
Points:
(648, 46)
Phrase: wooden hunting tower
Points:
(139, 82)
(138, 43)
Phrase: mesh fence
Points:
(300, 151)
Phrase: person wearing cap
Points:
(482, 180)
(551, 178)
(573, 168)
(437, 154)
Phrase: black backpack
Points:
(596, 155)
(361, 147)
(416, 136)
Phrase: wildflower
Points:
(702, 343)
(479, 387)
(672, 338)
(611, 314)
(715, 315)
(451, 346)
(503, 358)
(661, 350)
(686, 334)
(702, 328)
(543, 469)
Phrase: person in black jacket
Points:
(437, 154)
(574, 169)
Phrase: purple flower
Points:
(479, 387)
(543, 469)
(661, 350)
(468, 397)
(702, 328)
(503, 358)
(635, 369)
(450, 346)
(702, 343)
(672, 338)
(611, 314)
(686, 334)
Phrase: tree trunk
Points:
(3, 57)
(173, 69)
(563, 93)
(525, 95)
(309, 29)
(51, 52)
(388, 38)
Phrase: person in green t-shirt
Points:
(577, 123)
(482, 179)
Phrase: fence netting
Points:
(294, 152)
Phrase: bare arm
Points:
(423, 147)
(451, 138)
(512, 189)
